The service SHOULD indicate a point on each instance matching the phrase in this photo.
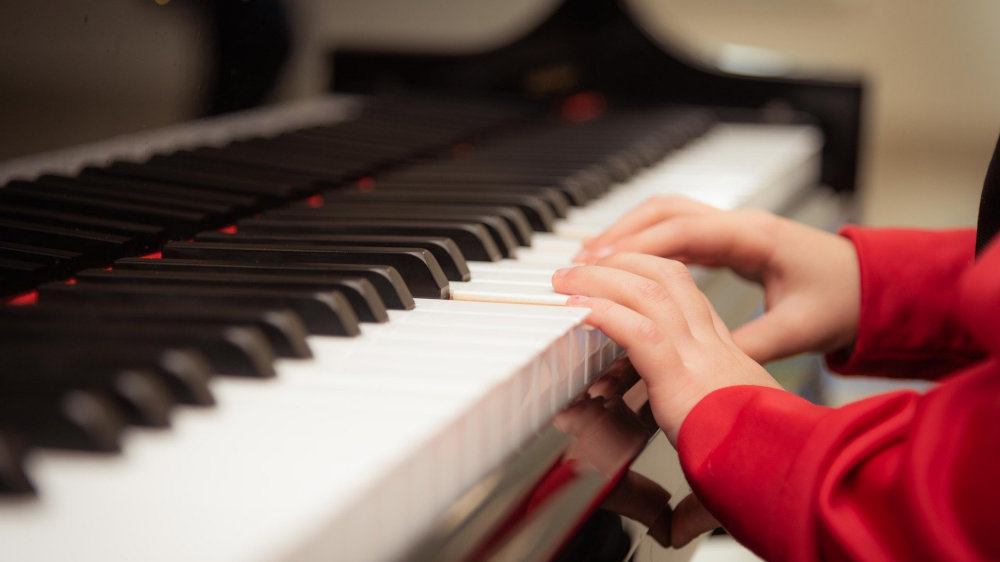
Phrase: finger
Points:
(641, 294)
(676, 279)
(689, 520)
(728, 239)
(650, 212)
(627, 327)
(614, 380)
(573, 418)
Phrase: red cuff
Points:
(738, 448)
(907, 325)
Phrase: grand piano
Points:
(324, 330)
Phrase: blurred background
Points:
(73, 71)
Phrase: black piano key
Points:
(418, 268)
(538, 214)
(147, 236)
(232, 350)
(282, 328)
(386, 280)
(270, 192)
(143, 395)
(445, 251)
(178, 223)
(554, 198)
(472, 238)
(25, 272)
(314, 157)
(328, 170)
(185, 372)
(359, 292)
(144, 175)
(239, 203)
(74, 419)
(103, 247)
(71, 186)
(67, 260)
(305, 183)
(305, 176)
(508, 225)
(323, 312)
(588, 180)
(14, 450)
(374, 150)
(576, 194)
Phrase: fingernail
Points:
(560, 273)
(582, 256)
(576, 299)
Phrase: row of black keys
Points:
(123, 346)
(53, 226)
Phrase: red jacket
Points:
(903, 475)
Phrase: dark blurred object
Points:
(252, 43)
(600, 539)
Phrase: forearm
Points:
(907, 325)
(900, 476)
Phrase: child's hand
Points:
(674, 338)
(810, 277)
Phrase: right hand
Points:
(811, 278)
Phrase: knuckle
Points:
(600, 305)
(650, 290)
(674, 270)
(647, 331)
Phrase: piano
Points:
(325, 330)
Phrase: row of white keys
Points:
(508, 367)
(376, 433)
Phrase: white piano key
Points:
(480, 268)
(500, 292)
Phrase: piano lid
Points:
(596, 45)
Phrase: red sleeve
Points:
(895, 477)
(901, 476)
(907, 325)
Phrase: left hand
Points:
(674, 338)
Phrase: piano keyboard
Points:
(354, 401)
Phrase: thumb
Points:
(691, 518)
